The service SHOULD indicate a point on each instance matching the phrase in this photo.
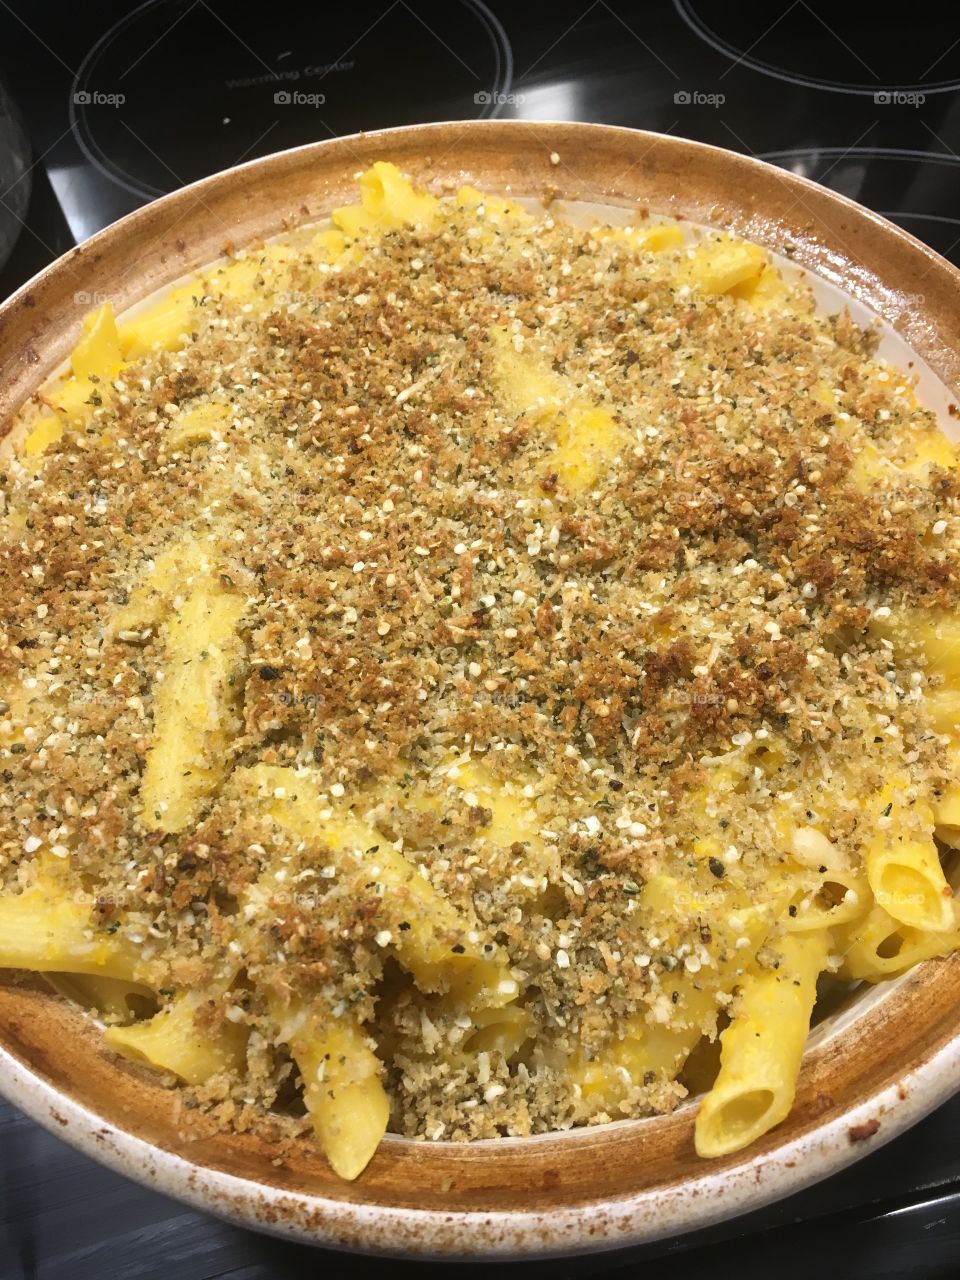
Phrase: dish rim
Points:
(518, 1235)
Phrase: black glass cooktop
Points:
(126, 102)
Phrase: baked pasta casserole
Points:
(471, 674)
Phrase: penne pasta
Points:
(904, 869)
(43, 931)
(342, 1088)
(761, 1049)
(474, 674)
(195, 708)
(173, 1041)
(440, 948)
(882, 947)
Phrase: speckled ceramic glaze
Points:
(891, 1055)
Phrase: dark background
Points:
(121, 103)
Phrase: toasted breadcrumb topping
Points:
(423, 591)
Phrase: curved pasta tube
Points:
(667, 899)
(910, 453)
(880, 947)
(602, 1081)
(645, 1050)
(96, 359)
(110, 997)
(432, 939)
(42, 931)
(588, 436)
(172, 1041)
(840, 898)
(905, 873)
(493, 214)
(180, 566)
(388, 201)
(194, 708)
(512, 818)
(196, 426)
(943, 707)
(500, 1030)
(513, 821)
(908, 882)
(824, 888)
(658, 1049)
(722, 263)
(342, 1086)
(946, 807)
(95, 362)
(162, 325)
(254, 279)
(936, 632)
(761, 1049)
(938, 635)
(46, 431)
(646, 237)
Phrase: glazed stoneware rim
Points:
(714, 1192)
(518, 1234)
